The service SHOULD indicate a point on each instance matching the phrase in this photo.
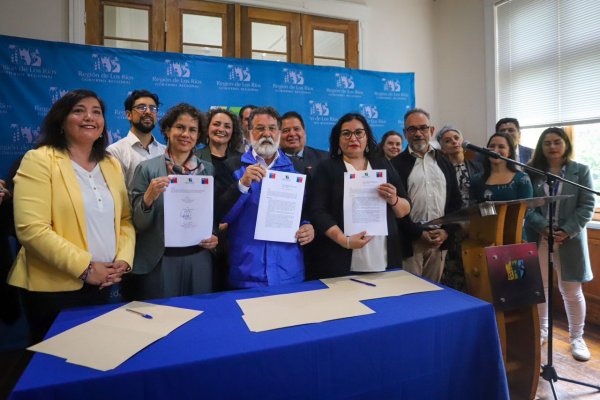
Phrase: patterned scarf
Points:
(464, 183)
(191, 166)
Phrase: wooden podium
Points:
(501, 270)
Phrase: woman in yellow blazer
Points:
(72, 214)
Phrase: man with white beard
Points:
(257, 262)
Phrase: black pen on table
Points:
(141, 314)
(363, 282)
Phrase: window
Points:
(131, 24)
(548, 71)
(222, 30)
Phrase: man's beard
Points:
(266, 147)
(143, 128)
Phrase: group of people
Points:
(89, 215)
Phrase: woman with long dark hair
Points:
(553, 153)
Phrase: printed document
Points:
(364, 209)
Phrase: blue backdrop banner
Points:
(35, 73)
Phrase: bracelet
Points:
(396, 202)
(85, 273)
(348, 242)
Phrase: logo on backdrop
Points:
(293, 76)
(24, 134)
(292, 82)
(320, 113)
(24, 61)
(344, 81)
(239, 73)
(106, 63)
(177, 74)
(25, 56)
(178, 69)
(105, 69)
(239, 78)
(390, 89)
(344, 86)
(371, 113)
(56, 93)
(114, 135)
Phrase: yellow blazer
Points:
(50, 221)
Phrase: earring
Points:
(367, 149)
(339, 152)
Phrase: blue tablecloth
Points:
(435, 345)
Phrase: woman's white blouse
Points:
(99, 213)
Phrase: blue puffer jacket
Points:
(257, 262)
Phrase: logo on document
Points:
(25, 56)
(178, 69)
(272, 175)
(344, 81)
(204, 181)
(369, 111)
(515, 269)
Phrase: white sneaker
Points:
(543, 336)
(580, 350)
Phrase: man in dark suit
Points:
(293, 142)
(511, 126)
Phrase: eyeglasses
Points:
(142, 108)
(413, 129)
(358, 133)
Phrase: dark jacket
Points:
(311, 157)
(326, 210)
(404, 163)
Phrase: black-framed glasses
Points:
(142, 108)
(358, 133)
(414, 129)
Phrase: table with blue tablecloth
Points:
(433, 345)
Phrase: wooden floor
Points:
(12, 363)
(567, 367)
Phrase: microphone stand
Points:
(548, 371)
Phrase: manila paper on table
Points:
(280, 206)
(188, 203)
(364, 209)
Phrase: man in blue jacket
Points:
(257, 262)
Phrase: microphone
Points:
(482, 150)
(178, 169)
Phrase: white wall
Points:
(35, 19)
(442, 41)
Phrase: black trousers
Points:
(41, 308)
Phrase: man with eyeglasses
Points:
(293, 142)
(141, 109)
(257, 262)
(430, 180)
(511, 126)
